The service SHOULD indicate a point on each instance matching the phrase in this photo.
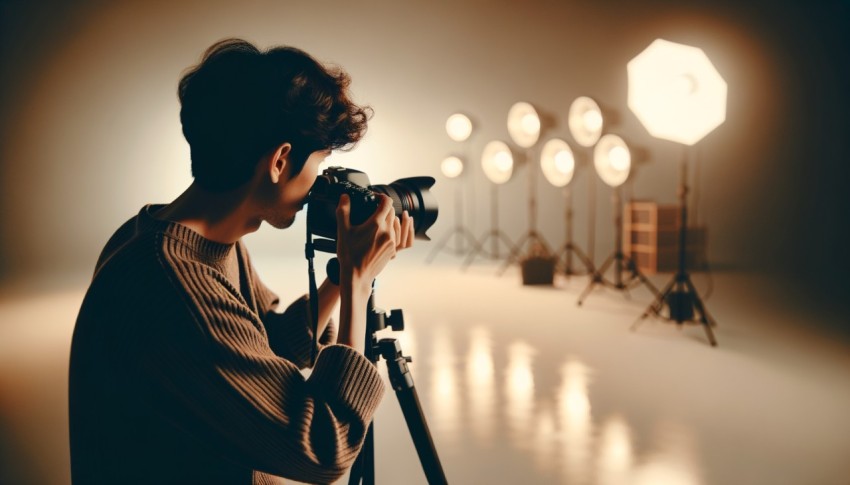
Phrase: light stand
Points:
(494, 236)
(678, 95)
(459, 232)
(680, 295)
(558, 165)
(586, 121)
(613, 160)
(619, 260)
(532, 238)
(497, 161)
(568, 249)
(402, 382)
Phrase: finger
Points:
(343, 212)
(406, 224)
(411, 232)
(396, 232)
(384, 210)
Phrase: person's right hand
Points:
(364, 250)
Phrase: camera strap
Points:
(310, 253)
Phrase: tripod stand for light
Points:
(557, 163)
(678, 95)
(524, 126)
(532, 238)
(569, 248)
(459, 232)
(497, 161)
(680, 295)
(612, 160)
(620, 261)
(494, 236)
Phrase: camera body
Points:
(409, 194)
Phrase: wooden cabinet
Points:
(651, 238)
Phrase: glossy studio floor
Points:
(520, 385)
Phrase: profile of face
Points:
(291, 191)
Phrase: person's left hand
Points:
(404, 231)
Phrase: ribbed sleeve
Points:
(174, 378)
(348, 381)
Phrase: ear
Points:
(277, 162)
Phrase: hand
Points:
(364, 250)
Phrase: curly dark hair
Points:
(239, 102)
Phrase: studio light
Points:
(675, 92)
(497, 161)
(586, 123)
(524, 126)
(558, 165)
(678, 95)
(557, 162)
(613, 162)
(451, 167)
(459, 127)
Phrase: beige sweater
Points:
(179, 374)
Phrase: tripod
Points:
(460, 233)
(495, 235)
(533, 238)
(620, 261)
(569, 248)
(679, 295)
(402, 382)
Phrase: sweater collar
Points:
(210, 251)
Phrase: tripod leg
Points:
(703, 316)
(439, 247)
(656, 306)
(512, 257)
(477, 248)
(408, 399)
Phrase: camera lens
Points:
(414, 196)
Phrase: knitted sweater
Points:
(179, 374)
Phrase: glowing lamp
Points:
(524, 124)
(612, 160)
(451, 167)
(675, 92)
(585, 121)
(459, 127)
(497, 160)
(557, 162)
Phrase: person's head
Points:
(240, 104)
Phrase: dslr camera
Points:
(408, 194)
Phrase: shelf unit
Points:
(651, 238)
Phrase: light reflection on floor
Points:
(519, 386)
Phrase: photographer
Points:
(181, 369)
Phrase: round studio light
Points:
(585, 121)
(452, 167)
(612, 160)
(459, 127)
(675, 92)
(524, 124)
(497, 160)
(557, 162)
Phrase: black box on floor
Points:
(538, 270)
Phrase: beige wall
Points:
(90, 117)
